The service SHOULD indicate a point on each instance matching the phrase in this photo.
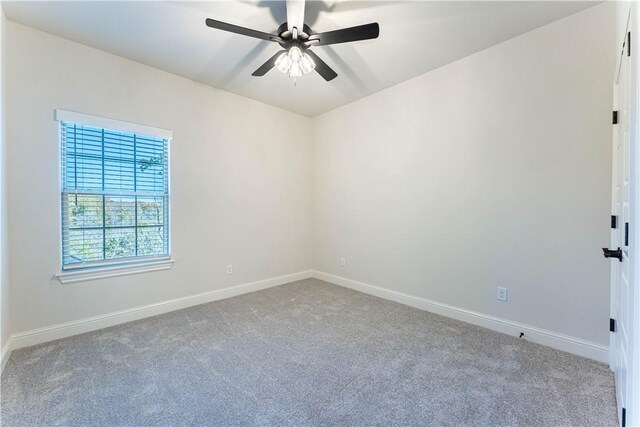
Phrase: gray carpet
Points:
(305, 353)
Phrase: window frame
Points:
(117, 266)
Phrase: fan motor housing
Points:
(288, 41)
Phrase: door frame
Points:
(632, 413)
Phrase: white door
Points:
(623, 260)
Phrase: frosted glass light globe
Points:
(306, 64)
(294, 70)
(283, 62)
(295, 54)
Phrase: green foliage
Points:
(150, 162)
(106, 227)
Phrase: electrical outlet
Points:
(501, 294)
(343, 261)
(230, 269)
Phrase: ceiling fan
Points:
(296, 39)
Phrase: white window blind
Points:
(115, 196)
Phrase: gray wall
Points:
(240, 186)
(492, 171)
(5, 306)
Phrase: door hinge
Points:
(624, 417)
(612, 325)
(614, 221)
(615, 117)
(629, 43)
(626, 234)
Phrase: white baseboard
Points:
(541, 336)
(63, 330)
(6, 353)
(556, 340)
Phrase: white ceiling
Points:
(415, 37)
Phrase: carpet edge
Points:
(75, 327)
(566, 343)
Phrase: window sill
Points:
(119, 270)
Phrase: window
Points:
(115, 194)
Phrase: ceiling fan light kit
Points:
(296, 38)
(295, 63)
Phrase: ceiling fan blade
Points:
(322, 68)
(264, 68)
(295, 14)
(241, 30)
(351, 34)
